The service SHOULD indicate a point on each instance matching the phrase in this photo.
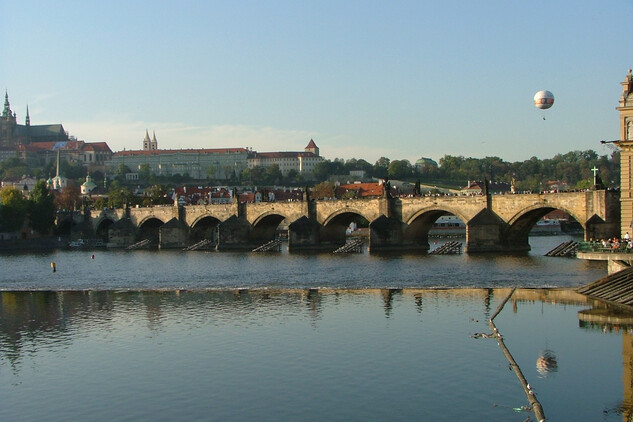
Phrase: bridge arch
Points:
(204, 228)
(334, 228)
(102, 228)
(266, 225)
(148, 228)
(521, 224)
(419, 224)
(344, 211)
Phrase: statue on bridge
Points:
(386, 189)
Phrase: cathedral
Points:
(13, 134)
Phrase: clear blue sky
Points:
(364, 79)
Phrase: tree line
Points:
(573, 168)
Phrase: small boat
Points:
(448, 226)
(77, 244)
(546, 227)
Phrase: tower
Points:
(626, 153)
(312, 147)
(7, 123)
(146, 142)
(150, 144)
(27, 121)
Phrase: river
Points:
(170, 335)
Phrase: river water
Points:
(163, 336)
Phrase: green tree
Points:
(381, 168)
(272, 174)
(13, 208)
(144, 171)
(41, 209)
(400, 169)
(119, 196)
(157, 194)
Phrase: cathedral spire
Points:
(6, 112)
(146, 141)
(28, 118)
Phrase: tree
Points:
(13, 208)
(324, 190)
(381, 168)
(144, 171)
(69, 198)
(211, 172)
(400, 169)
(41, 209)
(119, 196)
(157, 194)
(122, 169)
(321, 171)
(272, 174)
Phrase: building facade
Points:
(626, 154)
(301, 162)
(218, 164)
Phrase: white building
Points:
(302, 162)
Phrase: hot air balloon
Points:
(543, 100)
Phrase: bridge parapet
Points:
(291, 211)
(370, 209)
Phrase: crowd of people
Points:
(624, 244)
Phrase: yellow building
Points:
(626, 155)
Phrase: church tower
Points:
(146, 142)
(154, 144)
(8, 123)
(150, 144)
(626, 154)
(27, 121)
(312, 147)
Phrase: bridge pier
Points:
(173, 234)
(304, 234)
(235, 234)
(385, 234)
(485, 233)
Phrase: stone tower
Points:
(150, 145)
(626, 154)
(312, 147)
(8, 122)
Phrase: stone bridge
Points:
(494, 223)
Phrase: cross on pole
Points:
(595, 172)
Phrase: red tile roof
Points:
(181, 151)
(363, 189)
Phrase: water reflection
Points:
(436, 334)
(547, 363)
(607, 321)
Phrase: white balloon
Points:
(543, 100)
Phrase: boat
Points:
(77, 244)
(448, 226)
(547, 226)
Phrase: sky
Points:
(364, 79)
